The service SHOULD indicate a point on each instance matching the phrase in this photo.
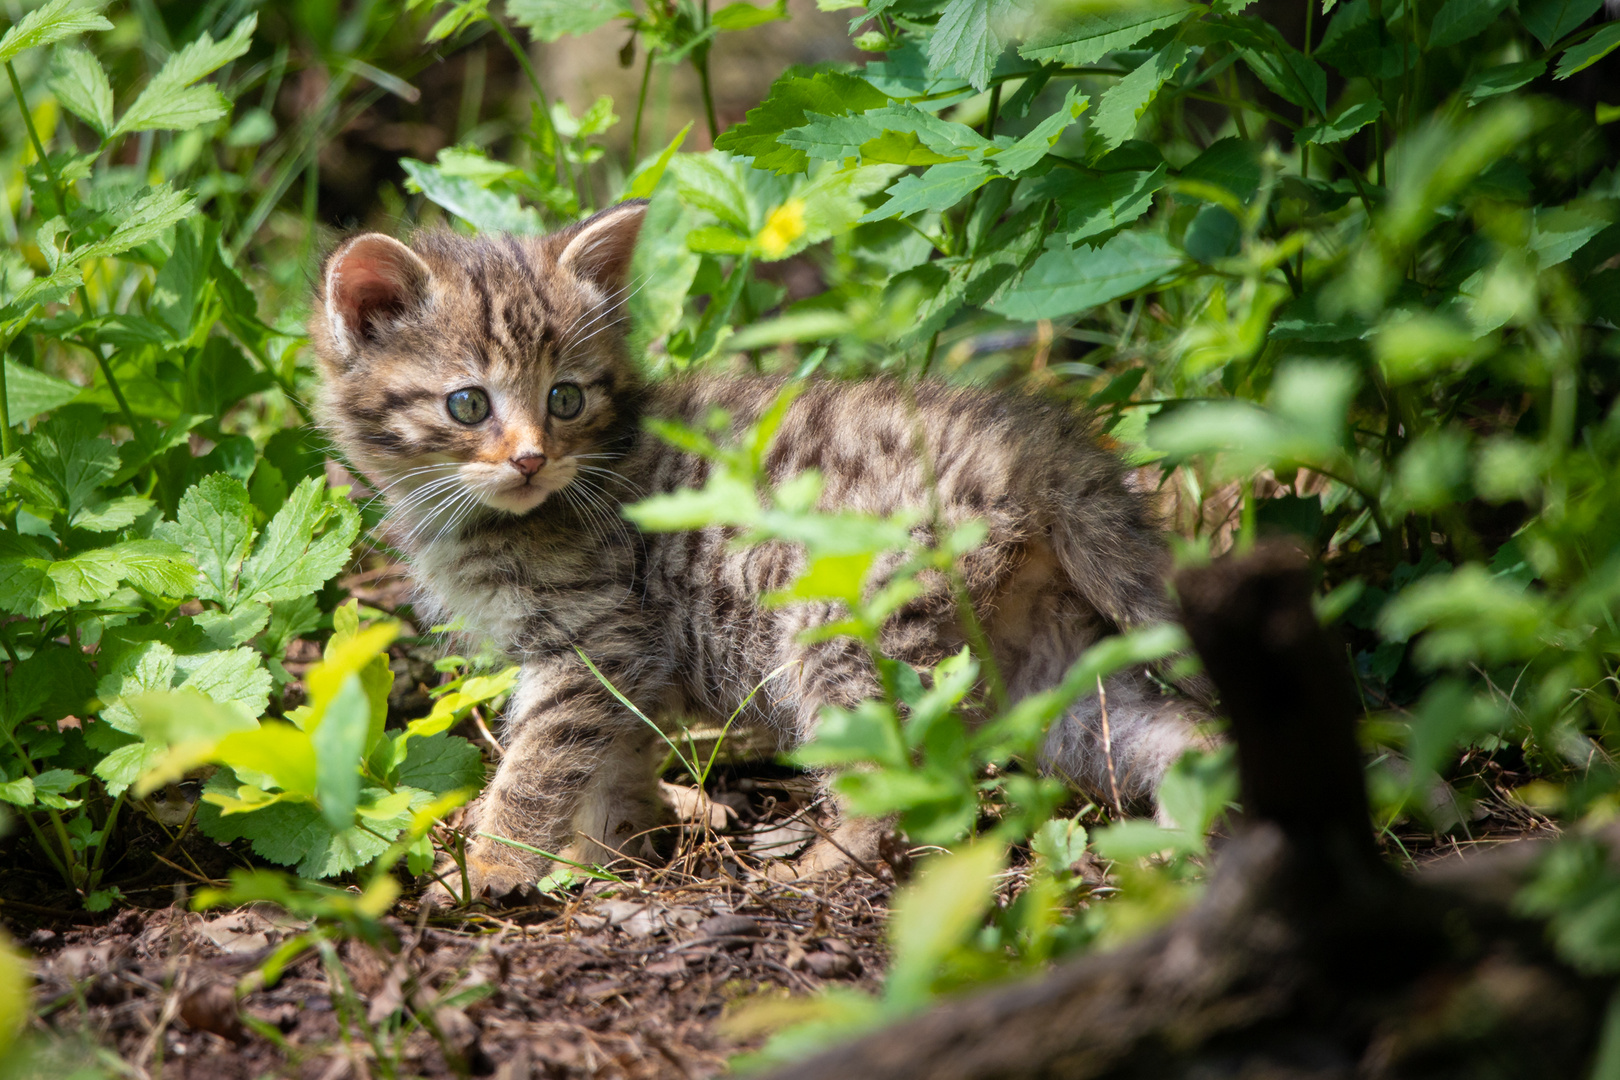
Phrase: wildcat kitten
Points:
(485, 386)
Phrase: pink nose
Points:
(528, 464)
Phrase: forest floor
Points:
(669, 972)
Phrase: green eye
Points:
(566, 401)
(468, 406)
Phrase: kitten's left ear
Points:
(599, 248)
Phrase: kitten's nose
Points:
(528, 464)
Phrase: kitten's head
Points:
(478, 372)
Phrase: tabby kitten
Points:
(484, 385)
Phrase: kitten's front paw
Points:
(498, 882)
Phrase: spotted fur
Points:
(543, 563)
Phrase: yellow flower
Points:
(785, 225)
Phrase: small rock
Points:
(212, 1007)
(729, 926)
(619, 912)
(589, 923)
(832, 965)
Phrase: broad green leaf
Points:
(226, 630)
(1358, 45)
(940, 188)
(1581, 56)
(1288, 73)
(69, 459)
(549, 20)
(288, 561)
(235, 679)
(791, 98)
(1124, 103)
(146, 669)
(50, 23)
(338, 743)
(85, 578)
(1459, 20)
(490, 211)
(1551, 20)
(1343, 126)
(296, 833)
(112, 514)
(154, 566)
(275, 752)
(641, 183)
(1090, 204)
(867, 734)
(170, 102)
(81, 85)
(965, 41)
(936, 914)
(142, 219)
(442, 763)
(1028, 150)
(1468, 616)
(30, 392)
(1557, 232)
(18, 792)
(1066, 280)
(214, 525)
(744, 16)
(1502, 79)
(1088, 36)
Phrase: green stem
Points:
(5, 400)
(101, 844)
(995, 109)
(641, 107)
(522, 57)
(33, 137)
(700, 60)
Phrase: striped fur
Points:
(545, 564)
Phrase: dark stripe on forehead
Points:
(480, 283)
(394, 400)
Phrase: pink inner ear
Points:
(373, 279)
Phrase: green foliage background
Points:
(1360, 284)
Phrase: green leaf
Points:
(1090, 204)
(792, 97)
(51, 23)
(112, 514)
(965, 42)
(1558, 232)
(1503, 79)
(641, 183)
(18, 792)
(489, 211)
(940, 188)
(154, 566)
(69, 459)
(170, 102)
(1583, 55)
(742, 16)
(1125, 102)
(1343, 126)
(1459, 20)
(226, 630)
(1288, 73)
(549, 20)
(30, 392)
(1067, 280)
(1086, 37)
(338, 743)
(235, 679)
(1551, 20)
(80, 84)
(1027, 151)
(142, 219)
(214, 524)
(937, 913)
(289, 561)
(442, 763)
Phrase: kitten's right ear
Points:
(369, 280)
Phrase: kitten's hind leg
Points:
(577, 780)
(1116, 746)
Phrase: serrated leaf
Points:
(1067, 280)
(1289, 73)
(1583, 55)
(1090, 205)
(1459, 20)
(68, 458)
(1551, 20)
(786, 107)
(214, 524)
(549, 20)
(155, 566)
(80, 84)
(295, 833)
(1024, 154)
(30, 392)
(170, 102)
(51, 23)
(274, 754)
(1087, 37)
(488, 210)
(1502, 79)
(288, 561)
(1343, 126)
(147, 669)
(235, 679)
(140, 220)
(965, 42)
(1124, 103)
(442, 763)
(112, 514)
(226, 630)
(940, 188)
